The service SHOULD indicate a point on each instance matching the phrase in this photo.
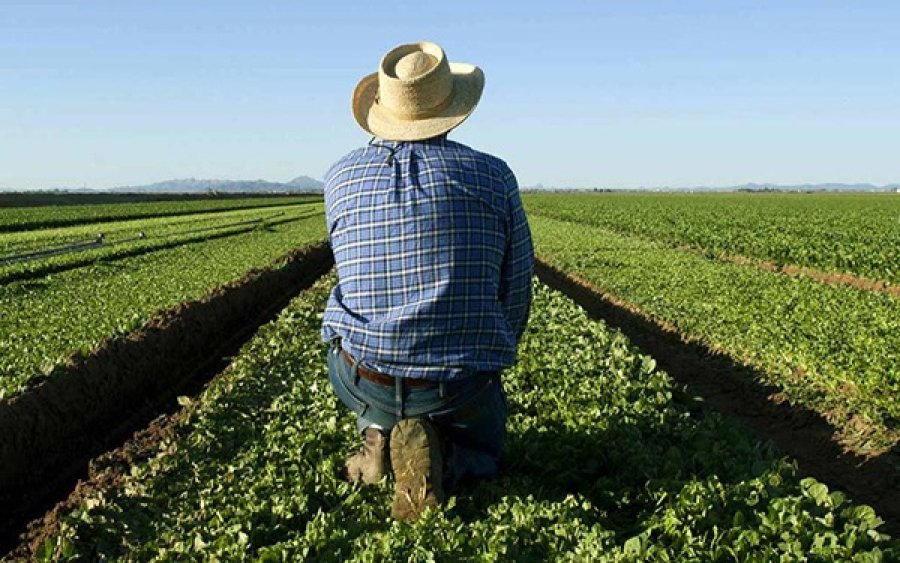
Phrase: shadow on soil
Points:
(735, 390)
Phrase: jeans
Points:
(469, 414)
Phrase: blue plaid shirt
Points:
(434, 258)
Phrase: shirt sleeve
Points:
(518, 263)
(329, 201)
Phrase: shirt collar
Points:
(438, 141)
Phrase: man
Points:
(434, 258)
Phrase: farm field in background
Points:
(18, 215)
(606, 461)
(829, 346)
(608, 458)
(159, 225)
(110, 290)
(840, 233)
(24, 254)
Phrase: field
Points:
(113, 289)
(836, 233)
(605, 462)
(610, 456)
(25, 212)
(831, 346)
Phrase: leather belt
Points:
(385, 380)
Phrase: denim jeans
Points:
(470, 414)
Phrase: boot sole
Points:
(418, 469)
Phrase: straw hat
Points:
(416, 94)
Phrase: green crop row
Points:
(25, 241)
(833, 348)
(49, 216)
(852, 233)
(127, 238)
(45, 319)
(606, 461)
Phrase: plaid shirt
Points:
(434, 258)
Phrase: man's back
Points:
(434, 259)
(434, 262)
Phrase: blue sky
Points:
(596, 93)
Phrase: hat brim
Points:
(468, 84)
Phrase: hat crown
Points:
(415, 81)
(414, 65)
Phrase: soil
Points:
(735, 389)
(105, 473)
(50, 433)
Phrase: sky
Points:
(578, 93)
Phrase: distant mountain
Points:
(306, 183)
(303, 184)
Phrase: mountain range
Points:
(303, 184)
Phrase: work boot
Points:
(418, 468)
(368, 465)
